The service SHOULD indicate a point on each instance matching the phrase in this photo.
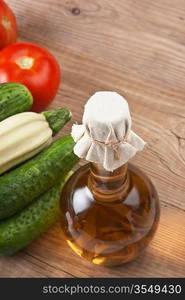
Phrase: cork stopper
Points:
(105, 136)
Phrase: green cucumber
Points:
(57, 118)
(25, 183)
(21, 229)
(14, 98)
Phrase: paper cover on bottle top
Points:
(105, 136)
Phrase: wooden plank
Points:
(137, 49)
(26, 265)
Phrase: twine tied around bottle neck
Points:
(111, 144)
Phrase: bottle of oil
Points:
(110, 209)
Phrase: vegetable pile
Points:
(33, 169)
(27, 63)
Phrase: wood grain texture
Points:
(136, 48)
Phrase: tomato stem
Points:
(6, 23)
(25, 62)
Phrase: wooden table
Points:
(136, 48)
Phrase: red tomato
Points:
(8, 28)
(34, 67)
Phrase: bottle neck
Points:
(108, 186)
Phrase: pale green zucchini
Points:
(24, 135)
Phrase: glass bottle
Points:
(109, 217)
(109, 208)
